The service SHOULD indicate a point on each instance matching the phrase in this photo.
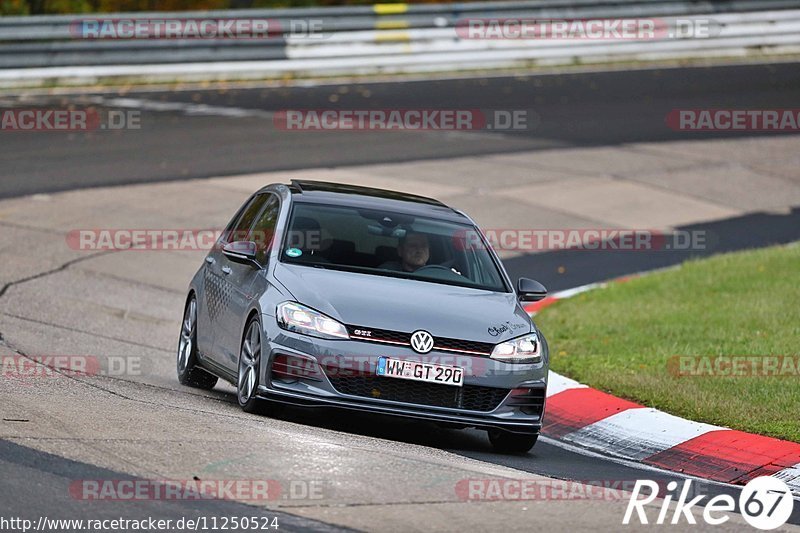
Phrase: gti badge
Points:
(421, 341)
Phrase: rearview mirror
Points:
(530, 290)
(242, 252)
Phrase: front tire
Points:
(507, 442)
(249, 369)
(189, 373)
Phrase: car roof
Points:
(323, 192)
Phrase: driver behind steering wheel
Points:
(414, 252)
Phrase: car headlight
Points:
(302, 319)
(525, 349)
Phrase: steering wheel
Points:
(435, 267)
(431, 267)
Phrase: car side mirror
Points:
(242, 252)
(530, 290)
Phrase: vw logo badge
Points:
(422, 341)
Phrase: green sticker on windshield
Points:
(294, 252)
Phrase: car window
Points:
(239, 227)
(390, 244)
(263, 231)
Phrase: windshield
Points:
(383, 243)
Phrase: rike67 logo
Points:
(765, 503)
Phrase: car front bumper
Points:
(511, 397)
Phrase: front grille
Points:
(379, 335)
(530, 401)
(439, 343)
(453, 345)
(469, 397)
(291, 368)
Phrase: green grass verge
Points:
(621, 338)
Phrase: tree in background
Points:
(13, 7)
(42, 7)
(107, 6)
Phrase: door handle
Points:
(226, 270)
(210, 260)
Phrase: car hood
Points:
(406, 305)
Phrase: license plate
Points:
(417, 371)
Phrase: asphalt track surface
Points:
(592, 109)
(564, 110)
(564, 269)
(39, 483)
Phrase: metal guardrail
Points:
(390, 37)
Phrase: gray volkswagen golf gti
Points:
(327, 295)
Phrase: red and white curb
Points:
(594, 420)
